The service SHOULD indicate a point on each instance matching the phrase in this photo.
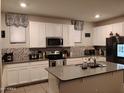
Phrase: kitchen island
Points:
(73, 79)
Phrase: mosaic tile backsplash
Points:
(78, 51)
(22, 54)
(19, 54)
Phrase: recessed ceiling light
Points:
(23, 5)
(97, 16)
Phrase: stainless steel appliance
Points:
(34, 55)
(113, 49)
(7, 57)
(55, 58)
(54, 42)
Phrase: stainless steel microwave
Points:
(54, 42)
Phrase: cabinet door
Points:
(23, 75)
(43, 73)
(42, 35)
(100, 34)
(71, 35)
(12, 76)
(97, 84)
(38, 72)
(118, 82)
(37, 34)
(53, 30)
(66, 35)
(117, 28)
(77, 36)
(35, 73)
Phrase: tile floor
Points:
(37, 88)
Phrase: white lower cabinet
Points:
(43, 73)
(38, 73)
(23, 75)
(26, 73)
(35, 73)
(12, 76)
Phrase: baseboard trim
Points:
(26, 84)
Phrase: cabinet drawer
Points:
(17, 65)
(74, 59)
(39, 63)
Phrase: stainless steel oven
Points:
(55, 58)
(58, 62)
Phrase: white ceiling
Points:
(75, 9)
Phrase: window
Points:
(17, 34)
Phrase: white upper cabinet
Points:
(74, 36)
(71, 36)
(53, 30)
(39, 31)
(100, 34)
(77, 36)
(118, 28)
(66, 35)
(23, 75)
(12, 76)
(37, 34)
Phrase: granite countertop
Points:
(35, 60)
(65, 73)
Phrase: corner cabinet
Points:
(118, 28)
(100, 34)
(37, 34)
